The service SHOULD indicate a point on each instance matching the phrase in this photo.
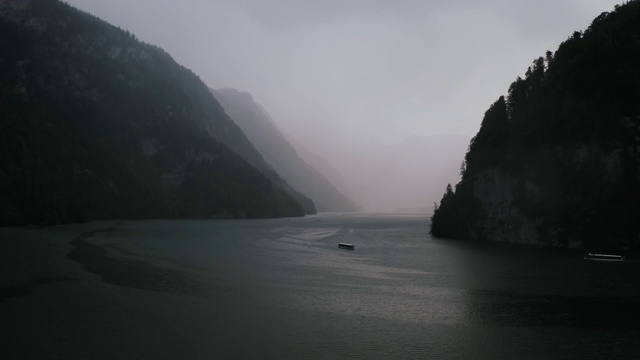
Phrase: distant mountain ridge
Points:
(326, 168)
(98, 125)
(262, 131)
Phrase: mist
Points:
(384, 96)
(408, 176)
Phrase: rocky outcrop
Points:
(557, 162)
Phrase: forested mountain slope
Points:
(261, 130)
(96, 124)
(558, 160)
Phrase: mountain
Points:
(406, 175)
(99, 125)
(557, 161)
(319, 163)
(260, 128)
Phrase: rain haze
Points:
(387, 92)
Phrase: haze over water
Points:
(281, 288)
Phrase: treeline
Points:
(566, 139)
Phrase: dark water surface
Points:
(282, 289)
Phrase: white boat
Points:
(603, 257)
(346, 246)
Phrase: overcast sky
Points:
(358, 69)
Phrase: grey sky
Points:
(358, 70)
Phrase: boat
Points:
(604, 257)
(346, 246)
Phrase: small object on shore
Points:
(603, 257)
(346, 246)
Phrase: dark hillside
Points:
(558, 160)
(97, 125)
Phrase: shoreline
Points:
(137, 274)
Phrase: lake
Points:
(281, 288)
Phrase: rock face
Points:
(96, 124)
(277, 151)
(557, 162)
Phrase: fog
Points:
(408, 176)
(364, 87)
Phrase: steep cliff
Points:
(557, 161)
(96, 124)
(277, 151)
